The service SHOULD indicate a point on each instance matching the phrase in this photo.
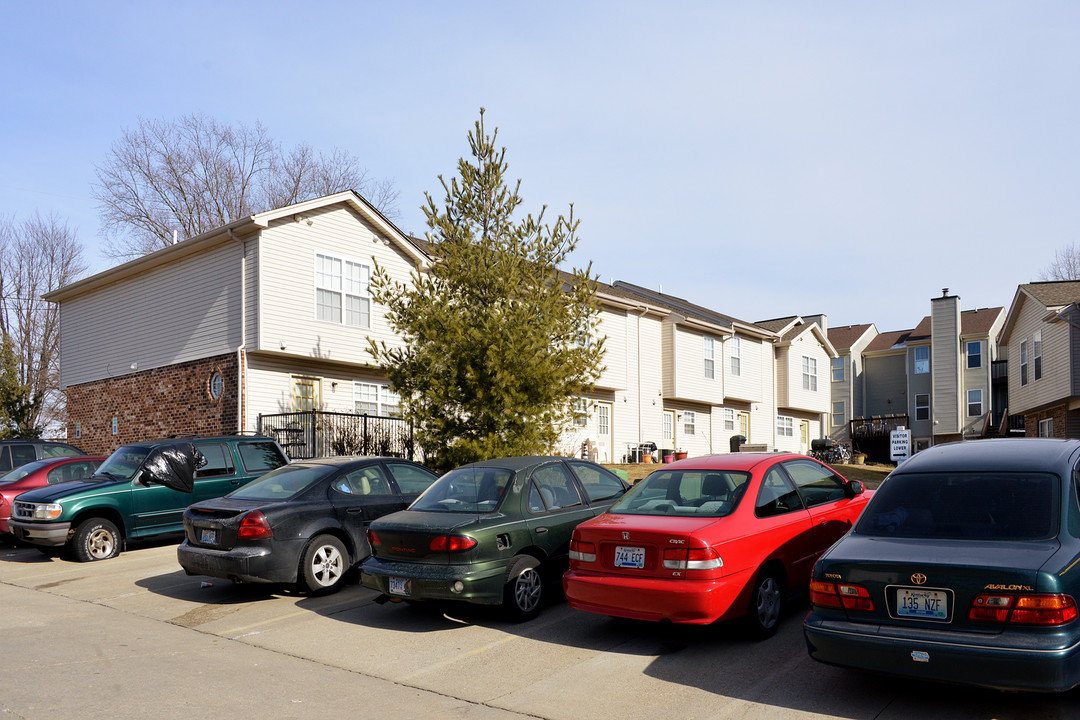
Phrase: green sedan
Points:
(493, 532)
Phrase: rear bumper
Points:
(679, 601)
(48, 534)
(256, 564)
(1005, 661)
(480, 583)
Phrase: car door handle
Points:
(541, 530)
(354, 510)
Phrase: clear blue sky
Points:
(760, 158)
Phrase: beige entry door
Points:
(604, 433)
(744, 425)
(804, 437)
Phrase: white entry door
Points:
(604, 435)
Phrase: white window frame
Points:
(923, 363)
(729, 419)
(925, 406)
(1036, 355)
(347, 281)
(735, 354)
(785, 426)
(838, 366)
(1023, 362)
(838, 415)
(809, 373)
(1046, 427)
(581, 411)
(379, 398)
(708, 349)
(975, 400)
(689, 418)
(976, 356)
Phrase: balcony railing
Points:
(316, 433)
(877, 425)
(999, 370)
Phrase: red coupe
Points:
(38, 473)
(712, 538)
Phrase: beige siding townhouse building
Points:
(1042, 337)
(846, 377)
(935, 379)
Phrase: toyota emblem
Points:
(918, 578)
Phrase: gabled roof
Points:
(889, 341)
(779, 325)
(677, 304)
(239, 230)
(1055, 296)
(972, 322)
(842, 338)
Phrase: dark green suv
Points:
(93, 518)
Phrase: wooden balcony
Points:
(877, 425)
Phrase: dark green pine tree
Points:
(496, 337)
(17, 408)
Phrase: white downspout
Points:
(241, 357)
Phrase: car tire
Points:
(524, 589)
(96, 539)
(324, 563)
(766, 604)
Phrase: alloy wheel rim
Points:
(527, 590)
(768, 603)
(100, 544)
(326, 565)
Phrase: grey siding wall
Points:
(886, 384)
(948, 406)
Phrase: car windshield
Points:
(123, 464)
(284, 483)
(685, 493)
(975, 505)
(20, 472)
(468, 489)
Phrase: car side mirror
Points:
(854, 488)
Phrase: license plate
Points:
(399, 586)
(206, 535)
(922, 604)
(629, 557)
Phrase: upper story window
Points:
(736, 355)
(838, 369)
(341, 291)
(974, 354)
(785, 426)
(689, 418)
(922, 360)
(809, 373)
(1023, 362)
(1036, 352)
(708, 348)
(372, 399)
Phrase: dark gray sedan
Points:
(302, 524)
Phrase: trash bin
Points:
(737, 441)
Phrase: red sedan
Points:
(38, 473)
(712, 538)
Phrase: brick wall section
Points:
(152, 404)
(1058, 413)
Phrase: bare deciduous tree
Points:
(166, 180)
(37, 256)
(1065, 265)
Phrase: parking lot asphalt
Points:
(135, 636)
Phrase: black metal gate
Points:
(315, 433)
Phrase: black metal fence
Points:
(315, 433)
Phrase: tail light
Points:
(846, 596)
(451, 543)
(373, 539)
(691, 559)
(255, 526)
(1023, 609)
(582, 551)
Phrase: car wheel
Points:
(766, 602)
(95, 539)
(323, 565)
(524, 589)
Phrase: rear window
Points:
(260, 456)
(283, 483)
(685, 493)
(475, 489)
(21, 472)
(983, 506)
